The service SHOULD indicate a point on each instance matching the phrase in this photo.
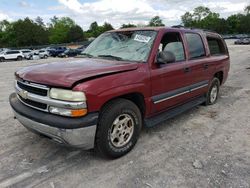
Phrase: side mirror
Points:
(165, 57)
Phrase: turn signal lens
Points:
(78, 113)
(68, 112)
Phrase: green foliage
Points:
(75, 34)
(155, 21)
(95, 30)
(202, 17)
(129, 25)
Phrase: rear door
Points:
(197, 66)
(169, 80)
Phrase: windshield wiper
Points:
(86, 54)
(112, 57)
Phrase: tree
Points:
(129, 25)
(200, 13)
(39, 21)
(75, 34)
(155, 21)
(247, 9)
(187, 19)
(107, 27)
(59, 29)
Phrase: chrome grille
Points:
(27, 91)
(37, 96)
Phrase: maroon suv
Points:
(125, 79)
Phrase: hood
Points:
(65, 74)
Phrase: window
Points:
(172, 42)
(134, 46)
(12, 52)
(216, 46)
(195, 45)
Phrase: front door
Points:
(169, 80)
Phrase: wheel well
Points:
(219, 75)
(136, 98)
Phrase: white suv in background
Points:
(11, 55)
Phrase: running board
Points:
(150, 122)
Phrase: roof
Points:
(174, 28)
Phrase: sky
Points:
(116, 12)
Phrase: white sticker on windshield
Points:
(142, 38)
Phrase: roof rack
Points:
(177, 26)
(193, 28)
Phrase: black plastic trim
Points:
(51, 119)
(178, 91)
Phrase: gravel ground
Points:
(204, 147)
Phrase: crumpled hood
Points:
(65, 74)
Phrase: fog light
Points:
(68, 112)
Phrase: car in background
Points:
(56, 51)
(242, 41)
(70, 53)
(38, 54)
(43, 54)
(11, 55)
(26, 53)
(3, 49)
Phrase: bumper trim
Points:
(81, 137)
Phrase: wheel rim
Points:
(213, 94)
(122, 130)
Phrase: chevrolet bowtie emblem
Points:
(24, 94)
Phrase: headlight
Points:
(67, 95)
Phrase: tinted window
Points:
(216, 46)
(12, 52)
(195, 45)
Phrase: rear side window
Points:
(216, 46)
(195, 45)
(12, 52)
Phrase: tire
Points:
(2, 59)
(213, 92)
(45, 57)
(118, 128)
(19, 58)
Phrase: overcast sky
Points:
(115, 12)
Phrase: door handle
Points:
(187, 69)
(205, 66)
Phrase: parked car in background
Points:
(3, 49)
(11, 55)
(26, 53)
(43, 54)
(242, 41)
(70, 53)
(56, 51)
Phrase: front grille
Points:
(33, 104)
(33, 89)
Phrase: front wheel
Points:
(118, 128)
(213, 92)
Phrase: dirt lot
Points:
(205, 147)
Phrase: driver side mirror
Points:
(165, 57)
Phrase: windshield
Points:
(125, 45)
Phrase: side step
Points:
(150, 122)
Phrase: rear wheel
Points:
(2, 59)
(118, 128)
(213, 92)
(45, 56)
(19, 58)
